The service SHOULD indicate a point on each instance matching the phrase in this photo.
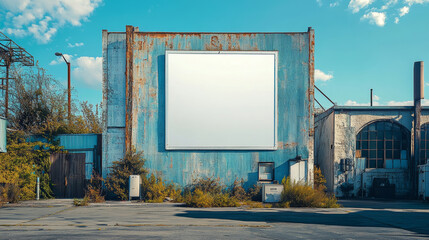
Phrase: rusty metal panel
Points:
(146, 111)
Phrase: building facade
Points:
(135, 107)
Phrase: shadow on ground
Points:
(416, 222)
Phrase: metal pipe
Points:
(38, 189)
(319, 104)
(418, 96)
(324, 95)
(371, 97)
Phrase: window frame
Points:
(381, 141)
(259, 171)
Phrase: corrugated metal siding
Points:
(146, 115)
(3, 125)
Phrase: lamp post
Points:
(68, 83)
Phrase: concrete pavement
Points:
(58, 219)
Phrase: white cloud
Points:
(354, 103)
(404, 10)
(357, 5)
(425, 102)
(404, 103)
(321, 76)
(319, 2)
(75, 45)
(42, 18)
(396, 20)
(411, 2)
(88, 70)
(376, 98)
(377, 18)
(388, 4)
(334, 4)
(60, 60)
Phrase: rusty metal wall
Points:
(136, 61)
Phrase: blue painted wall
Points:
(147, 123)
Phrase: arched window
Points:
(384, 144)
(424, 143)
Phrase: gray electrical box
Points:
(271, 193)
(134, 190)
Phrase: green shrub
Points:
(80, 202)
(224, 200)
(303, 195)
(21, 165)
(209, 192)
(255, 193)
(199, 199)
(154, 189)
(117, 180)
(94, 192)
(10, 192)
(211, 185)
(319, 179)
(238, 191)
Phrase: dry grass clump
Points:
(155, 190)
(304, 195)
(80, 202)
(209, 192)
(95, 192)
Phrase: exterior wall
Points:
(144, 81)
(348, 124)
(324, 146)
(114, 62)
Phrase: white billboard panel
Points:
(221, 100)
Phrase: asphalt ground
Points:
(59, 219)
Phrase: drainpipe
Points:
(371, 97)
(418, 96)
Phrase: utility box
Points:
(134, 190)
(271, 193)
(424, 181)
(298, 171)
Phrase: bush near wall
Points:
(21, 165)
(155, 190)
(118, 178)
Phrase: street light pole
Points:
(68, 84)
(68, 91)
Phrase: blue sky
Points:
(360, 44)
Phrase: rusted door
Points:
(67, 174)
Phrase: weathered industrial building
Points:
(374, 151)
(146, 104)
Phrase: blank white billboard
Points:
(221, 100)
